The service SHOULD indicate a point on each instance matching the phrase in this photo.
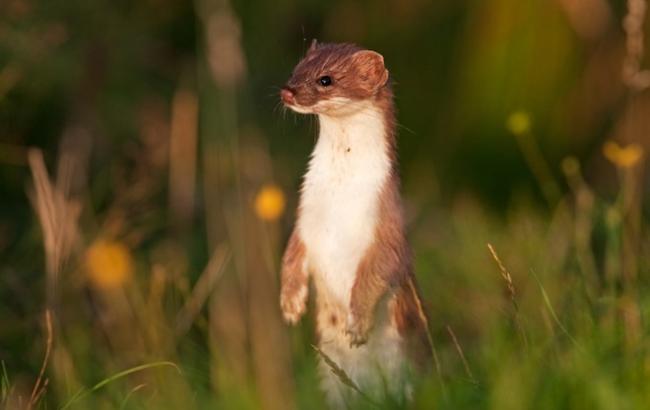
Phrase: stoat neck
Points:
(358, 135)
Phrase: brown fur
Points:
(385, 269)
(355, 73)
(294, 277)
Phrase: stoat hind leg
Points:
(330, 323)
(378, 368)
(385, 264)
(335, 391)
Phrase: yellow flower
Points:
(269, 203)
(108, 264)
(622, 157)
(518, 123)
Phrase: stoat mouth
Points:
(336, 106)
(300, 108)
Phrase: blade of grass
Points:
(538, 165)
(48, 348)
(41, 392)
(84, 392)
(459, 349)
(556, 319)
(130, 393)
(202, 290)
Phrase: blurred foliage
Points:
(153, 223)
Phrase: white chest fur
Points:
(340, 197)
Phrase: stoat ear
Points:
(313, 46)
(370, 69)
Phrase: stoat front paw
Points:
(293, 301)
(357, 328)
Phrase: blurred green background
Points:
(148, 181)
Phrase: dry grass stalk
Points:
(202, 290)
(505, 274)
(425, 323)
(223, 32)
(41, 392)
(57, 216)
(182, 153)
(459, 349)
(40, 385)
(341, 374)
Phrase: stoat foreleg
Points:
(295, 280)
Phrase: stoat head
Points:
(334, 80)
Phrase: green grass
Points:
(549, 337)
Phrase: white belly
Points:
(340, 199)
(337, 226)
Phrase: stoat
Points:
(349, 236)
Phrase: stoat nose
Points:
(287, 96)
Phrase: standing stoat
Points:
(349, 236)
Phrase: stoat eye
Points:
(325, 81)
